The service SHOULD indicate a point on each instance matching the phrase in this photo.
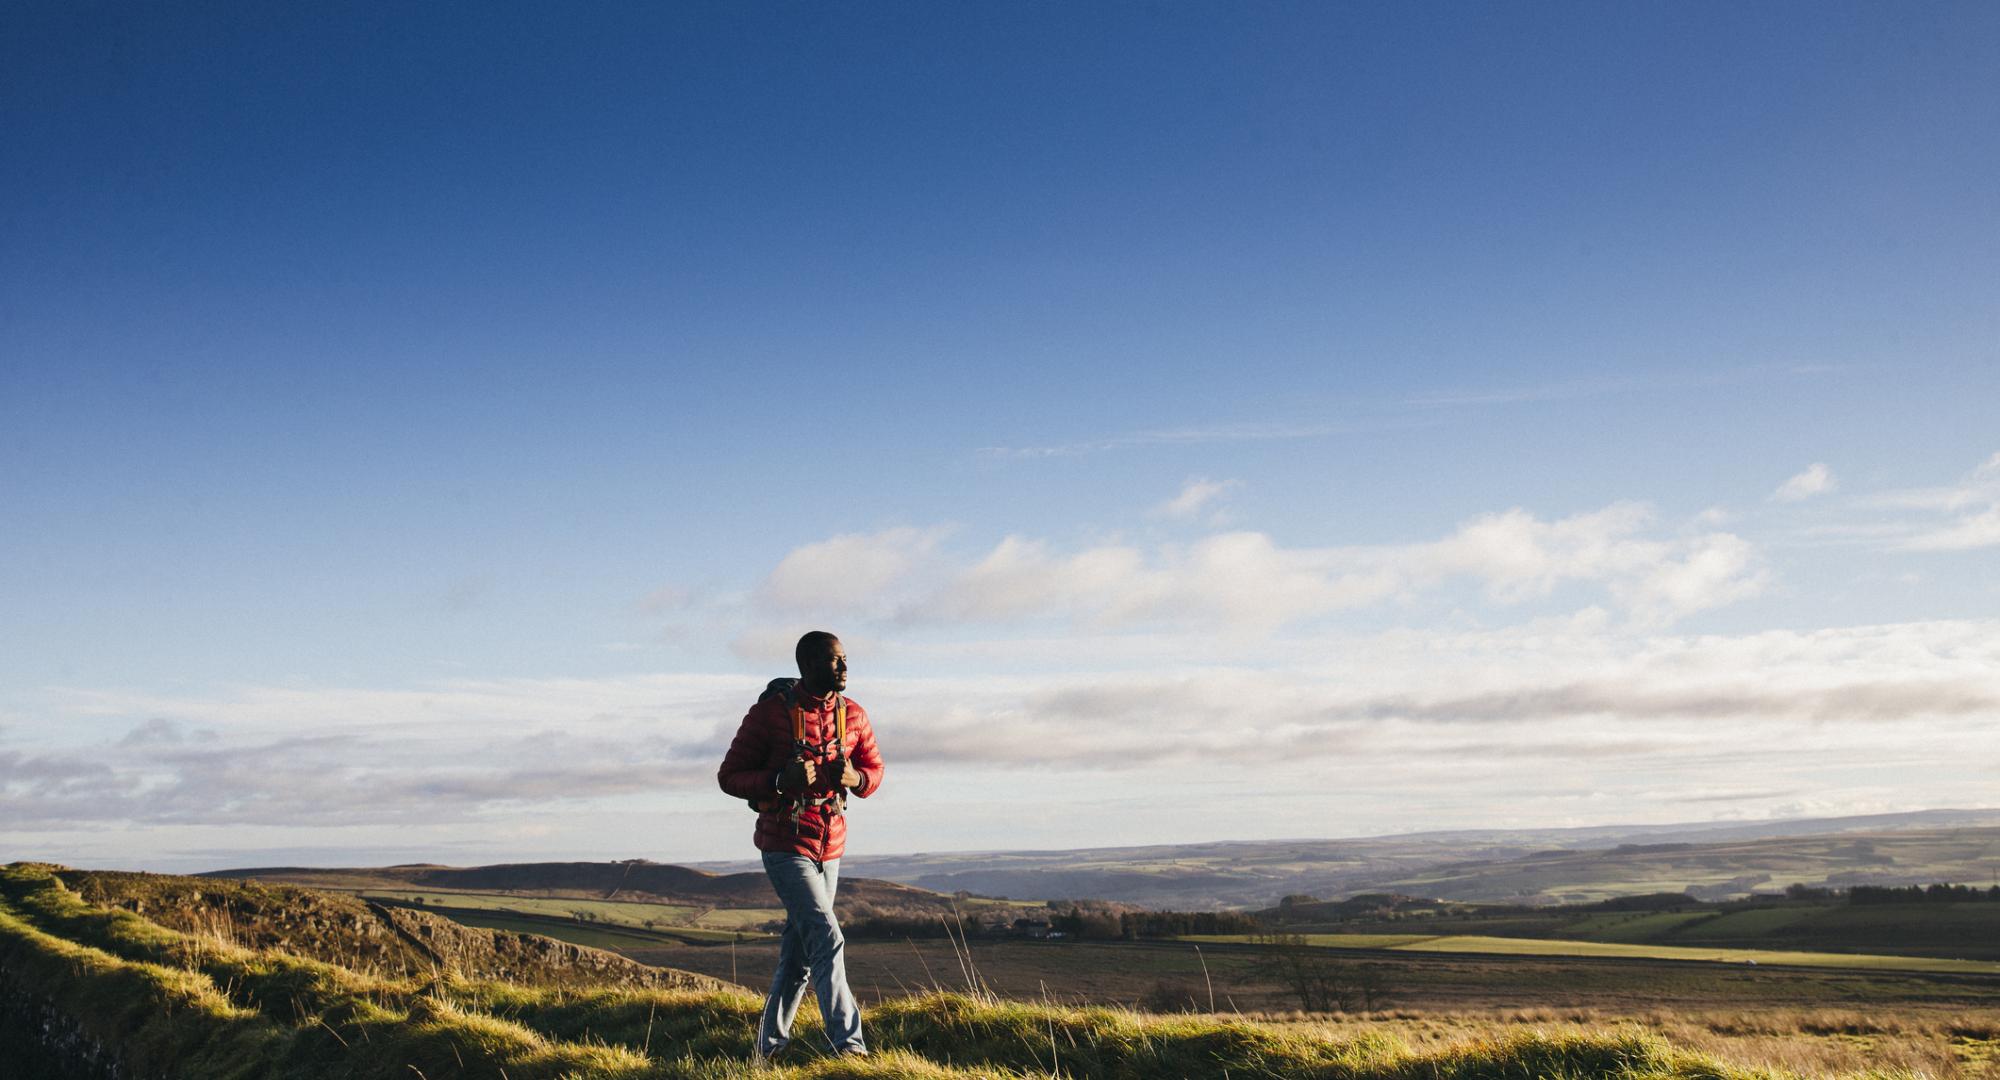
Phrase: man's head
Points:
(822, 663)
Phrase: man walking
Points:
(798, 753)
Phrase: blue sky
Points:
(420, 429)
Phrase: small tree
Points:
(1319, 980)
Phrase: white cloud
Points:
(1233, 580)
(1196, 496)
(1973, 531)
(1711, 571)
(1974, 504)
(1247, 581)
(1979, 488)
(848, 572)
(1816, 479)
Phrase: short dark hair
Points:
(810, 645)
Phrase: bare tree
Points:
(1320, 980)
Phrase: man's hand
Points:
(850, 777)
(798, 776)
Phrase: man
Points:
(791, 759)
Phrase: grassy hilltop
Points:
(136, 975)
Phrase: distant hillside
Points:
(1715, 871)
(634, 880)
(1956, 928)
(1465, 864)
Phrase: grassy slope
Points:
(174, 1004)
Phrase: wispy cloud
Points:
(1197, 496)
(1574, 389)
(1874, 700)
(1976, 502)
(1202, 434)
(1513, 395)
(1417, 411)
(1814, 479)
(1970, 510)
(1979, 530)
(318, 781)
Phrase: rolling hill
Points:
(637, 880)
(1541, 866)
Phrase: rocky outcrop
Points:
(333, 927)
(497, 954)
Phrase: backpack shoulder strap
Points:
(798, 714)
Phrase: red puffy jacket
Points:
(763, 748)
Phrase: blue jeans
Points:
(813, 949)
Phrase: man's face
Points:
(827, 668)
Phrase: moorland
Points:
(1795, 958)
(543, 970)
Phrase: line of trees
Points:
(1130, 925)
(1082, 923)
(899, 926)
(1939, 893)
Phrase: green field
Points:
(1523, 946)
(1623, 926)
(1968, 930)
(682, 921)
(745, 919)
(1754, 924)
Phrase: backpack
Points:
(788, 689)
